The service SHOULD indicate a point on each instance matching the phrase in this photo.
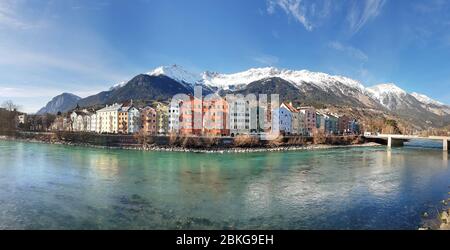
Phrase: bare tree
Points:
(9, 105)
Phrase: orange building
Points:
(187, 115)
(149, 121)
(215, 115)
(204, 117)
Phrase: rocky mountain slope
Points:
(141, 87)
(61, 103)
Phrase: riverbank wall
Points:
(188, 143)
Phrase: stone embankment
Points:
(223, 145)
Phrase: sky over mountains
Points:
(83, 47)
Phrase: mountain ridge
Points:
(302, 86)
(60, 103)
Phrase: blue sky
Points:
(83, 46)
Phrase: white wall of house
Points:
(87, 122)
(93, 123)
(80, 123)
(74, 121)
(239, 116)
(134, 117)
(107, 119)
(174, 118)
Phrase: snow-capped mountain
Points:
(414, 107)
(394, 98)
(321, 80)
(431, 105)
(344, 89)
(118, 85)
(177, 73)
(388, 94)
(426, 100)
(231, 81)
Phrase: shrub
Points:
(210, 141)
(174, 139)
(295, 141)
(279, 141)
(143, 138)
(191, 142)
(319, 137)
(245, 141)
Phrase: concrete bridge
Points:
(398, 140)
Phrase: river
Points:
(64, 187)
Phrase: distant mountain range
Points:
(61, 103)
(301, 87)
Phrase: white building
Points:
(107, 119)
(174, 117)
(239, 116)
(78, 120)
(73, 121)
(93, 123)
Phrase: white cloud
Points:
(266, 59)
(363, 11)
(29, 92)
(36, 91)
(292, 8)
(349, 50)
(10, 16)
(22, 58)
(311, 13)
(430, 5)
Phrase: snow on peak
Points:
(177, 73)
(387, 88)
(118, 85)
(425, 99)
(297, 77)
(381, 90)
(388, 94)
(224, 81)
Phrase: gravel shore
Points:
(193, 150)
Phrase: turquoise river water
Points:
(63, 187)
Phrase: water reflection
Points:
(444, 159)
(70, 187)
(389, 156)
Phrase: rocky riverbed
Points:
(196, 150)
